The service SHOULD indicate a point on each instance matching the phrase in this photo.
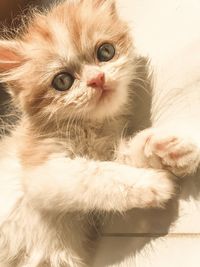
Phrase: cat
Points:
(70, 72)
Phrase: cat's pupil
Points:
(63, 81)
(105, 52)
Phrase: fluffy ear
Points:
(10, 55)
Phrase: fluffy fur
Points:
(63, 162)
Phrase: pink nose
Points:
(97, 81)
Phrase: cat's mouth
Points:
(104, 93)
(101, 96)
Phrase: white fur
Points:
(50, 205)
(45, 221)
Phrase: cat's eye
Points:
(105, 52)
(63, 81)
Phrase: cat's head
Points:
(74, 60)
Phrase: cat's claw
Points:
(178, 154)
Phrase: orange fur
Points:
(46, 50)
(64, 147)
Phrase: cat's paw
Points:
(156, 189)
(178, 154)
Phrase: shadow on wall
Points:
(142, 228)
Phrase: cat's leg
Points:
(83, 185)
(162, 148)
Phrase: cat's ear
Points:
(10, 55)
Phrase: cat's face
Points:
(76, 60)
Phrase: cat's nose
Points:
(97, 81)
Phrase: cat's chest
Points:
(93, 143)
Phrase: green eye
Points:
(105, 52)
(63, 81)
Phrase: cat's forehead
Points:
(72, 29)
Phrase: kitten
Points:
(70, 73)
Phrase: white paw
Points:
(157, 189)
(175, 153)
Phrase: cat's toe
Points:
(179, 155)
(158, 189)
(162, 190)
